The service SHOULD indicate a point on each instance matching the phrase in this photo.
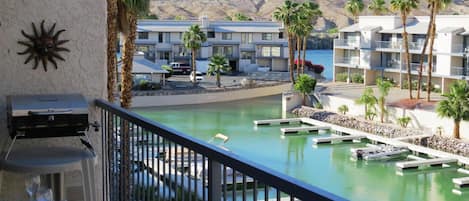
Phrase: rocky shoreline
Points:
(386, 130)
(437, 142)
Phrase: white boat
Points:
(382, 152)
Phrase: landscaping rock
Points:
(386, 130)
(447, 144)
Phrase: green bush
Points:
(318, 105)
(169, 69)
(333, 30)
(145, 85)
(343, 109)
(357, 78)
(405, 84)
(341, 77)
(403, 121)
(390, 79)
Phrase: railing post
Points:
(214, 180)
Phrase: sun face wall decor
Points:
(43, 47)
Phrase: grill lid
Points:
(25, 105)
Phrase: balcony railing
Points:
(458, 71)
(392, 64)
(416, 46)
(164, 164)
(353, 61)
(396, 45)
(459, 48)
(346, 43)
(416, 66)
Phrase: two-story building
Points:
(247, 44)
(374, 48)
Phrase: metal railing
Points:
(346, 43)
(458, 71)
(459, 48)
(416, 46)
(392, 64)
(416, 66)
(347, 60)
(165, 164)
(396, 45)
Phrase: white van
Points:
(198, 76)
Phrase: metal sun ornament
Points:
(43, 47)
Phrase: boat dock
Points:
(462, 182)
(419, 163)
(295, 130)
(344, 138)
(277, 121)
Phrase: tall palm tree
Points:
(111, 48)
(193, 39)
(378, 7)
(383, 87)
(456, 105)
(354, 7)
(424, 49)
(312, 12)
(287, 14)
(437, 5)
(299, 29)
(218, 63)
(128, 10)
(404, 7)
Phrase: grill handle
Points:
(48, 112)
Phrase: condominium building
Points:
(374, 48)
(247, 45)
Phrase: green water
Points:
(326, 166)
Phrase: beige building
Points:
(373, 48)
(247, 45)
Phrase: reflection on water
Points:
(328, 167)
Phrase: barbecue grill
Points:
(43, 116)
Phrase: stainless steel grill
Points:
(41, 116)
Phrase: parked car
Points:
(180, 68)
(198, 76)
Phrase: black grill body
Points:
(42, 116)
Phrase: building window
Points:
(246, 38)
(181, 51)
(163, 55)
(280, 35)
(248, 56)
(142, 35)
(211, 34)
(180, 35)
(226, 51)
(266, 36)
(160, 37)
(270, 51)
(226, 36)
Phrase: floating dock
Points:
(295, 130)
(463, 171)
(462, 182)
(414, 157)
(345, 138)
(431, 162)
(277, 121)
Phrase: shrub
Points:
(333, 30)
(357, 78)
(341, 77)
(145, 85)
(403, 121)
(343, 109)
(318, 105)
(169, 69)
(390, 79)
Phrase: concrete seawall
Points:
(153, 101)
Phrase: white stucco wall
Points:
(84, 70)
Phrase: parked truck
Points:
(180, 68)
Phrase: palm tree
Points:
(218, 63)
(111, 48)
(378, 7)
(424, 50)
(299, 29)
(305, 85)
(312, 12)
(456, 105)
(383, 87)
(128, 11)
(354, 7)
(193, 39)
(437, 5)
(404, 7)
(369, 101)
(287, 14)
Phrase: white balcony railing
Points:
(416, 66)
(459, 48)
(416, 46)
(392, 64)
(353, 61)
(346, 43)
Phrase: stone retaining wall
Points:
(447, 144)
